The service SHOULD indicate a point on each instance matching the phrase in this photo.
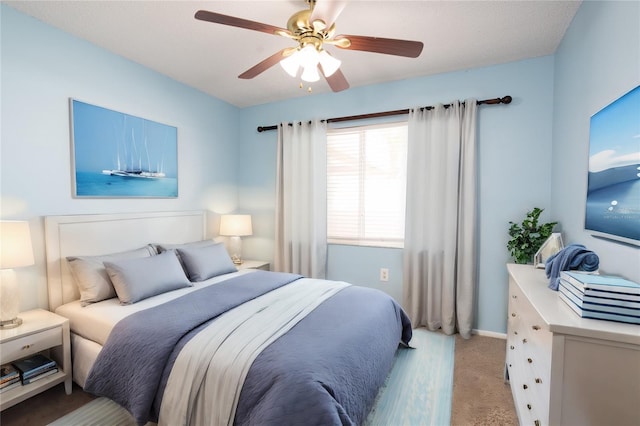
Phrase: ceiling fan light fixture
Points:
(309, 59)
(309, 56)
(291, 63)
(310, 74)
(329, 64)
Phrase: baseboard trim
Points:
(489, 334)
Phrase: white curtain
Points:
(439, 258)
(301, 199)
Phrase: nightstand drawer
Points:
(31, 344)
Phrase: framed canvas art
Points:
(613, 189)
(120, 155)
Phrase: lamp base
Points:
(9, 299)
(12, 323)
(236, 250)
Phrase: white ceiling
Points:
(164, 36)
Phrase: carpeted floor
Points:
(480, 396)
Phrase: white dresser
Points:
(563, 369)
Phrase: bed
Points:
(186, 338)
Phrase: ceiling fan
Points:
(312, 28)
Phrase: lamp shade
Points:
(235, 225)
(291, 64)
(15, 244)
(329, 64)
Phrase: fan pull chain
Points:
(308, 88)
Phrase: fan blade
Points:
(389, 46)
(217, 18)
(337, 81)
(327, 10)
(264, 65)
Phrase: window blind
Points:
(366, 184)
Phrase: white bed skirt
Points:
(83, 354)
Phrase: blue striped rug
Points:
(419, 388)
(417, 392)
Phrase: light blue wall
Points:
(42, 68)
(514, 163)
(597, 62)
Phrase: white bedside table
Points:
(40, 331)
(254, 264)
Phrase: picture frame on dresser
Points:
(551, 246)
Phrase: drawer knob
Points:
(538, 380)
(529, 360)
(513, 314)
(26, 347)
(535, 327)
(536, 423)
(512, 347)
(525, 387)
(514, 296)
(529, 406)
(524, 340)
(515, 332)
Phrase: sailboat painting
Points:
(120, 155)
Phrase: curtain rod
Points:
(494, 101)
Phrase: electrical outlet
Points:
(384, 274)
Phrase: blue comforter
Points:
(326, 370)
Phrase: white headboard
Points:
(91, 235)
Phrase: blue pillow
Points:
(138, 279)
(206, 262)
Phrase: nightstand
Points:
(254, 264)
(40, 331)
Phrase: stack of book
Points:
(601, 296)
(35, 367)
(9, 377)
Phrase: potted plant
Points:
(526, 238)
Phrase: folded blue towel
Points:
(572, 257)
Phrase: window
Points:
(366, 185)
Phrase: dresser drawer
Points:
(31, 344)
(529, 345)
(528, 400)
(534, 336)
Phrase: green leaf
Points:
(527, 237)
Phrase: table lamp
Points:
(235, 226)
(15, 252)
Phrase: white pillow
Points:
(202, 263)
(92, 279)
(137, 279)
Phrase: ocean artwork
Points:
(120, 155)
(613, 191)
